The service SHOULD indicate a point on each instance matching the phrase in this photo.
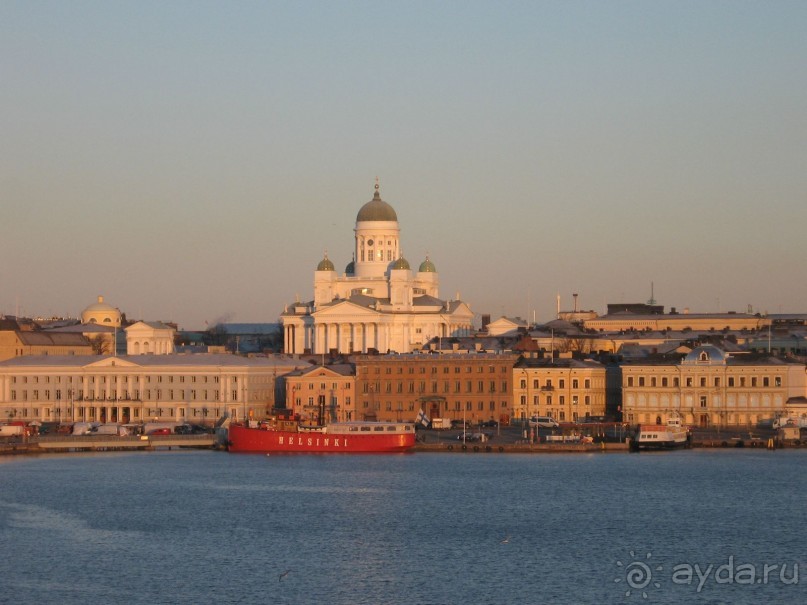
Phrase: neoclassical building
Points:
(170, 387)
(566, 389)
(710, 388)
(379, 303)
(150, 338)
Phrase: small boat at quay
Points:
(662, 436)
(288, 435)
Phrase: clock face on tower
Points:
(369, 242)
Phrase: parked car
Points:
(160, 431)
(546, 422)
(489, 424)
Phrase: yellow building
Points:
(322, 394)
(710, 388)
(16, 343)
(658, 322)
(565, 389)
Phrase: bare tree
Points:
(100, 344)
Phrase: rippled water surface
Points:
(208, 527)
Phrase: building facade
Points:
(18, 343)
(379, 303)
(566, 389)
(150, 338)
(322, 394)
(474, 387)
(710, 388)
(181, 388)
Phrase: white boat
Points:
(662, 436)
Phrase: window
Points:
(766, 382)
(587, 383)
(703, 381)
(777, 381)
(575, 384)
(731, 381)
(664, 381)
(703, 401)
(717, 381)
(652, 381)
(641, 381)
(630, 381)
(689, 381)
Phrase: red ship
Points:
(280, 435)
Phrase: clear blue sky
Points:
(191, 161)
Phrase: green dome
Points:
(325, 265)
(376, 210)
(401, 263)
(351, 268)
(427, 266)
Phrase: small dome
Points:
(351, 268)
(706, 355)
(401, 263)
(376, 210)
(101, 313)
(427, 266)
(325, 265)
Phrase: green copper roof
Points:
(401, 263)
(325, 265)
(427, 266)
(376, 210)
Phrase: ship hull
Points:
(243, 439)
(661, 438)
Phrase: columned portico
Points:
(379, 302)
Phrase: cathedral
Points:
(379, 303)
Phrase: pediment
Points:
(320, 372)
(345, 309)
(113, 362)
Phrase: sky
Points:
(193, 161)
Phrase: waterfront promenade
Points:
(506, 440)
(100, 443)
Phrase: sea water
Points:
(720, 526)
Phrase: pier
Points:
(102, 443)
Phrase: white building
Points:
(379, 302)
(149, 338)
(182, 388)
